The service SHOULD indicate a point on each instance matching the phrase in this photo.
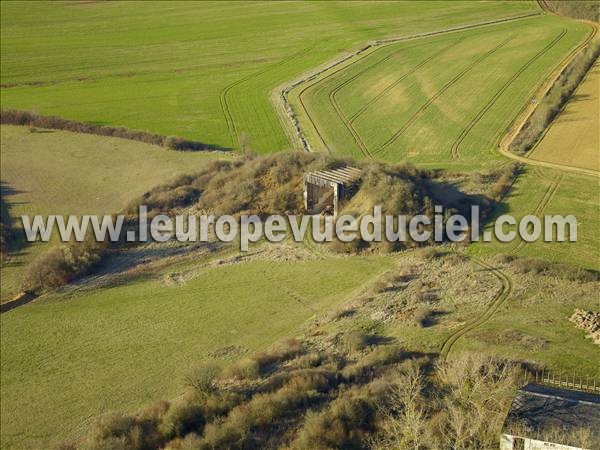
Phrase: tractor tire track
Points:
(288, 292)
(498, 300)
(357, 139)
(304, 90)
(348, 122)
(411, 120)
(223, 97)
(360, 55)
(375, 99)
(466, 130)
(554, 184)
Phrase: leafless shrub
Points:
(504, 180)
(184, 415)
(61, 264)
(578, 9)
(202, 378)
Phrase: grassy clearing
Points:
(120, 348)
(396, 104)
(546, 192)
(57, 172)
(199, 70)
(573, 138)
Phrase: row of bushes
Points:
(578, 9)
(556, 98)
(558, 270)
(26, 118)
(382, 397)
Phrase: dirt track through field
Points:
(499, 299)
(553, 185)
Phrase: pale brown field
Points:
(573, 139)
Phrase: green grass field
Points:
(57, 172)
(208, 71)
(547, 192)
(395, 104)
(199, 70)
(68, 358)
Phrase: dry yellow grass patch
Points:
(573, 139)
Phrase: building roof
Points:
(344, 175)
(538, 410)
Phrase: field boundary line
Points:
(281, 93)
(498, 300)
(411, 120)
(225, 106)
(465, 132)
(528, 109)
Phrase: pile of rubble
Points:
(588, 321)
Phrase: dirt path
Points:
(499, 299)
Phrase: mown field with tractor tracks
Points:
(394, 103)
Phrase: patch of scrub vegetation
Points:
(578, 9)
(303, 393)
(425, 299)
(57, 172)
(556, 98)
(392, 102)
(203, 71)
(379, 396)
(267, 185)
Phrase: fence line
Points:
(565, 380)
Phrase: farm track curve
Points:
(465, 132)
(439, 93)
(348, 122)
(223, 97)
(498, 300)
